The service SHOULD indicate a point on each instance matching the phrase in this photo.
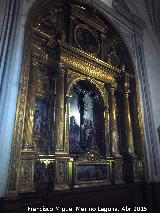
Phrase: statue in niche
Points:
(112, 57)
(37, 122)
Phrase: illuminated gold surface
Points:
(141, 128)
(115, 136)
(13, 176)
(76, 65)
(59, 132)
(128, 129)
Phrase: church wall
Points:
(139, 35)
(11, 67)
(151, 49)
(127, 18)
(11, 52)
(108, 3)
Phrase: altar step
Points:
(119, 196)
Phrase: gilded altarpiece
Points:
(78, 113)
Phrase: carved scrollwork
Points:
(18, 131)
(61, 175)
(26, 175)
(47, 24)
(112, 57)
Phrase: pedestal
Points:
(26, 172)
(62, 172)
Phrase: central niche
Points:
(86, 129)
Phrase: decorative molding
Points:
(93, 67)
(121, 4)
(121, 7)
(19, 126)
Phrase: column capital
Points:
(62, 69)
(103, 35)
(127, 85)
(114, 88)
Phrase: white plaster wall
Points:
(9, 89)
(5, 23)
(152, 56)
(152, 62)
(2, 17)
(8, 95)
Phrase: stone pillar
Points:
(115, 139)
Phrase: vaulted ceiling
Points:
(153, 7)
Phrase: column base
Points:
(118, 170)
(128, 168)
(137, 169)
(133, 168)
(26, 172)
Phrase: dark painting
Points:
(82, 128)
(86, 120)
(40, 128)
(87, 39)
(92, 172)
(41, 115)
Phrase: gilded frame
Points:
(74, 78)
